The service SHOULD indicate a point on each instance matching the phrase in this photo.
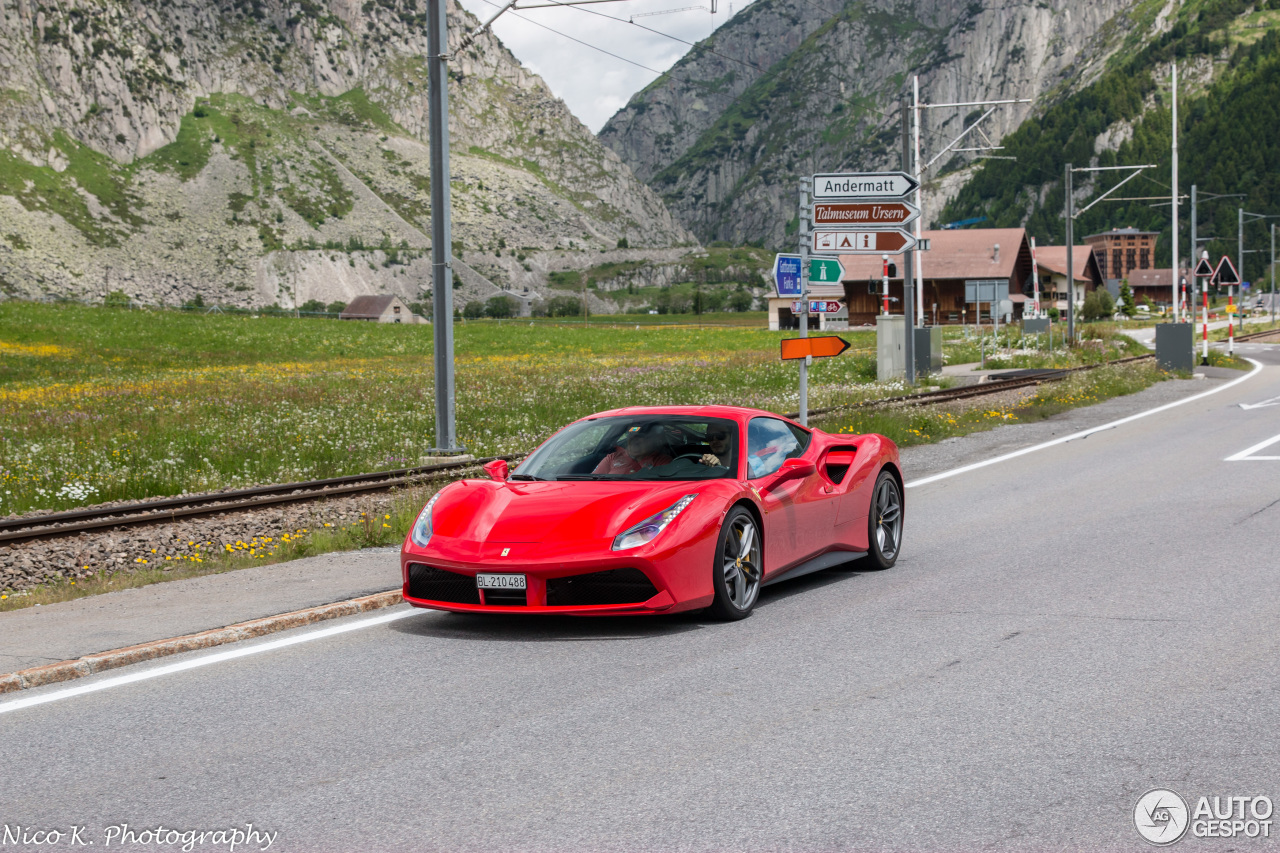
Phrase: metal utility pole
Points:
(1071, 272)
(1072, 213)
(951, 146)
(441, 232)
(805, 186)
(1273, 273)
(1195, 255)
(1240, 263)
(908, 277)
(1177, 307)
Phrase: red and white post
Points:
(885, 283)
(1035, 279)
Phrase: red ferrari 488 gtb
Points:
(657, 510)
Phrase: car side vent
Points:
(615, 586)
(434, 584)
(838, 462)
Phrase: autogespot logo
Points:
(1161, 817)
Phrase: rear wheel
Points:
(884, 525)
(738, 568)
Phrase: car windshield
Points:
(642, 447)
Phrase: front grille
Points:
(506, 597)
(615, 586)
(442, 585)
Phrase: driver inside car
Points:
(721, 447)
(643, 446)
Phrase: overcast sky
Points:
(593, 84)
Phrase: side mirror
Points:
(497, 470)
(796, 468)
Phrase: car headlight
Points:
(420, 533)
(648, 530)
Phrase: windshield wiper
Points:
(587, 477)
(525, 477)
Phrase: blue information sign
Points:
(786, 274)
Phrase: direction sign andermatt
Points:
(864, 186)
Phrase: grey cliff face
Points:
(180, 148)
(790, 87)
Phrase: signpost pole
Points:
(1273, 273)
(804, 297)
(884, 282)
(908, 274)
(441, 237)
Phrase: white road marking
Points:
(206, 660)
(1257, 366)
(272, 645)
(1274, 401)
(1247, 455)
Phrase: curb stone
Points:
(101, 661)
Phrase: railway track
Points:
(163, 510)
(1254, 336)
(72, 522)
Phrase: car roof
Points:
(731, 412)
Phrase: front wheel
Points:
(884, 525)
(738, 568)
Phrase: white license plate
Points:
(500, 581)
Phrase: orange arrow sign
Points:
(817, 347)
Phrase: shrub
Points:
(500, 307)
(473, 310)
(117, 299)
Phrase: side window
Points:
(802, 438)
(770, 442)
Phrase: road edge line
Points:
(1257, 368)
(68, 670)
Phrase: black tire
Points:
(738, 567)
(884, 525)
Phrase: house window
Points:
(1130, 260)
(1102, 263)
(1117, 270)
(1144, 261)
(396, 309)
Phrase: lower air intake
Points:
(615, 586)
(435, 584)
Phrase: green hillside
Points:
(1228, 53)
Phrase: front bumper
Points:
(590, 580)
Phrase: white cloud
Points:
(593, 84)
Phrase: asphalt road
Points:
(1065, 631)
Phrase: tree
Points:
(1127, 306)
(501, 306)
(1092, 308)
(336, 307)
(1107, 303)
(473, 310)
(312, 306)
(564, 306)
(741, 301)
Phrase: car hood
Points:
(484, 511)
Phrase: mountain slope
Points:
(260, 151)
(1229, 138)
(724, 142)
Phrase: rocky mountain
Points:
(790, 87)
(273, 151)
